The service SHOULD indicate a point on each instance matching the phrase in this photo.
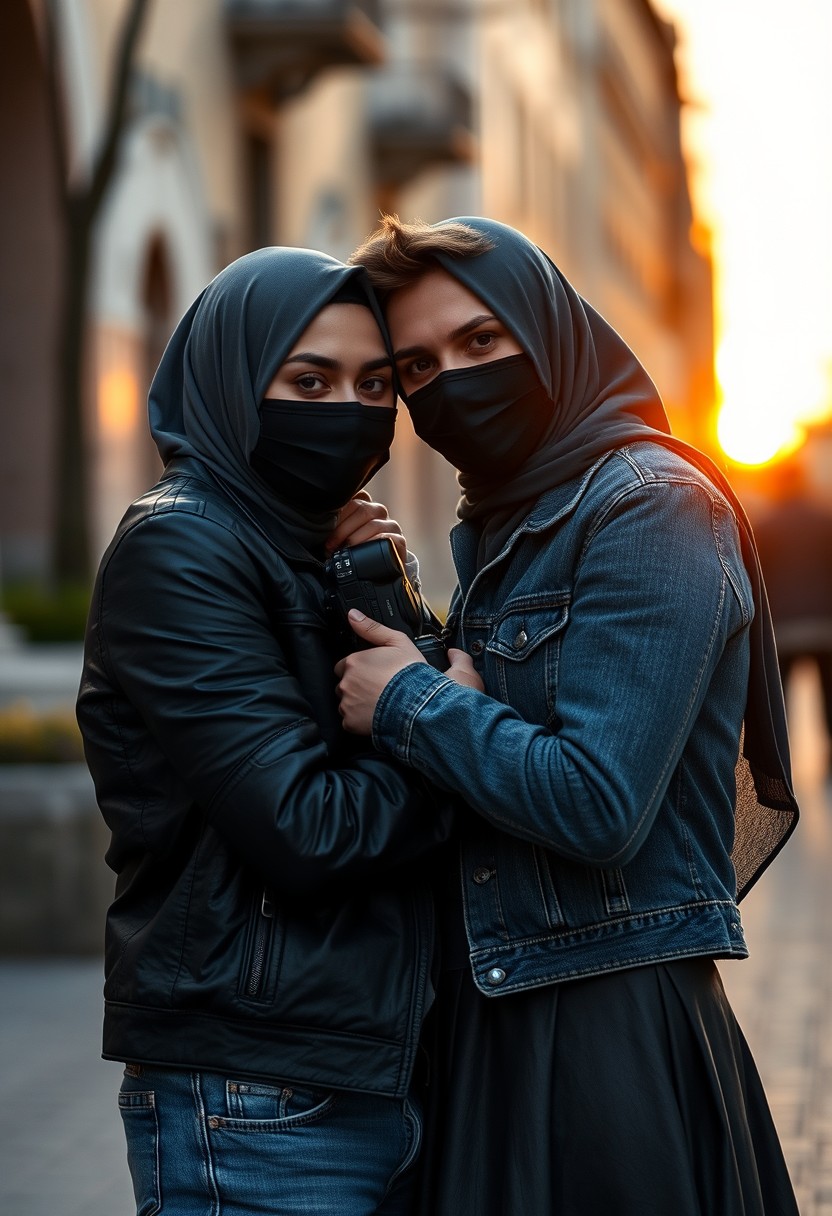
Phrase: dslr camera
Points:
(372, 578)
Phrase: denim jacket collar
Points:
(552, 507)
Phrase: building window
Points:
(260, 193)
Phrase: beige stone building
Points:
(254, 122)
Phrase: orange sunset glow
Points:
(758, 134)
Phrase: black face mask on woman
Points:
(318, 456)
(485, 420)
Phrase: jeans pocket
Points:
(413, 1121)
(253, 1106)
(141, 1129)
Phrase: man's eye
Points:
(483, 341)
(418, 366)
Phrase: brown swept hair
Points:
(398, 254)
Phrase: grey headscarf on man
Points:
(601, 398)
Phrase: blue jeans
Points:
(205, 1144)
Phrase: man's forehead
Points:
(434, 303)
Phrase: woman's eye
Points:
(310, 382)
(375, 386)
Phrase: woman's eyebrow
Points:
(334, 365)
(315, 360)
(482, 318)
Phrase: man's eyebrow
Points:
(482, 318)
(474, 323)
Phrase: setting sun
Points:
(758, 134)
(767, 396)
(772, 436)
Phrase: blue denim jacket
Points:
(612, 636)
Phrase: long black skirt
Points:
(630, 1094)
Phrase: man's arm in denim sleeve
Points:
(649, 621)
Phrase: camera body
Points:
(372, 578)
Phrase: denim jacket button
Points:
(482, 874)
(520, 640)
(495, 976)
(477, 647)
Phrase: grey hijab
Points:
(205, 398)
(600, 395)
(602, 398)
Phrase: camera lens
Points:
(377, 561)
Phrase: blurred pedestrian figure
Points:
(794, 538)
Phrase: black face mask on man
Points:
(485, 420)
(318, 456)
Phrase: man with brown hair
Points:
(610, 605)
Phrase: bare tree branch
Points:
(55, 98)
(80, 203)
(117, 110)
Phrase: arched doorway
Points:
(153, 256)
(30, 263)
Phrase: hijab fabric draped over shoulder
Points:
(205, 398)
(601, 399)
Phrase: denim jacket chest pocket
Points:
(522, 655)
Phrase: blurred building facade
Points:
(259, 122)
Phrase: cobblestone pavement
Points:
(782, 994)
(61, 1149)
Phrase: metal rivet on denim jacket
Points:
(520, 640)
(482, 874)
(495, 976)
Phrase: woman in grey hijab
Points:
(268, 949)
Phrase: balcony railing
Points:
(419, 115)
(281, 45)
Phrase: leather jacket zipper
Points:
(261, 941)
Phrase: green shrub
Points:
(47, 615)
(27, 737)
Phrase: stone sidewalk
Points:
(44, 677)
(61, 1144)
(782, 993)
(61, 1150)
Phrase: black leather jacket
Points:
(271, 916)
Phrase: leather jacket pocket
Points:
(264, 948)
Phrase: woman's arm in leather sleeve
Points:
(184, 633)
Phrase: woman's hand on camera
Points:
(362, 519)
(365, 674)
(462, 670)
